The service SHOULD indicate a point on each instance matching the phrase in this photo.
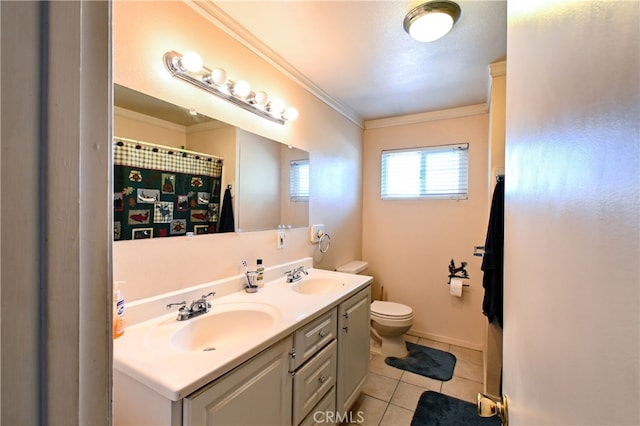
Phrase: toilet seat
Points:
(390, 310)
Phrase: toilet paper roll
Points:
(455, 287)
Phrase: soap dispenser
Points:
(260, 271)
(118, 311)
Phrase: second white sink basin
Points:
(318, 286)
(226, 324)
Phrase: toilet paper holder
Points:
(458, 272)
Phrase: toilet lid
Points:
(390, 310)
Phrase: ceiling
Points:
(358, 57)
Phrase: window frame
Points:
(295, 193)
(459, 189)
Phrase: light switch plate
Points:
(315, 232)
(281, 238)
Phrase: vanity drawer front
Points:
(313, 381)
(312, 337)
(324, 412)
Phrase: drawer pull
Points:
(322, 333)
(322, 378)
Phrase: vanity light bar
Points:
(237, 92)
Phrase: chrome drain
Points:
(208, 349)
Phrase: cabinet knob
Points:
(322, 333)
(322, 378)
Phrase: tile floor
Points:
(390, 395)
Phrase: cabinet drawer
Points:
(313, 381)
(312, 337)
(324, 413)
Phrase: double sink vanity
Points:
(291, 353)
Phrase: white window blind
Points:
(299, 181)
(431, 172)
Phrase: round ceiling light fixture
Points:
(431, 20)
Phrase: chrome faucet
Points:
(197, 307)
(295, 274)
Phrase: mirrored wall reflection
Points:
(257, 170)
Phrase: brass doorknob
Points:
(488, 407)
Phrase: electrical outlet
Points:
(281, 238)
(315, 232)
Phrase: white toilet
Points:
(389, 320)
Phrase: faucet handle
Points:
(204, 296)
(181, 304)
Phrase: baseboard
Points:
(444, 339)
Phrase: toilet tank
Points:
(353, 267)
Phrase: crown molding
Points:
(497, 69)
(220, 19)
(423, 117)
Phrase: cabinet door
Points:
(257, 392)
(353, 348)
(313, 381)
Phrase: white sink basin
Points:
(225, 325)
(319, 286)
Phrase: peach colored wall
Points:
(410, 243)
(259, 183)
(127, 124)
(334, 143)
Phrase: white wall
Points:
(334, 143)
(56, 221)
(572, 231)
(409, 243)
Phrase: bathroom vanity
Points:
(288, 354)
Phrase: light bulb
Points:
(260, 98)
(191, 61)
(275, 106)
(241, 88)
(431, 26)
(290, 114)
(219, 76)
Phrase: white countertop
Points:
(175, 373)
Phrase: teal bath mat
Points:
(436, 409)
(425, 361)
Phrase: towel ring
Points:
(327, 238)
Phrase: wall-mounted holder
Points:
(317, 235)
(458, 272)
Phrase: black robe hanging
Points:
(493, 260)
(226, 214)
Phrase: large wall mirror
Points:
(268, 180)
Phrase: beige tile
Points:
(378, 366)
(407, 396)
(367, 411)
(468, 370)
(461, 388)
(421, 381)
(433, 344)
(396, 416)
(380, 387)
(467, 354)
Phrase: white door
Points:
(571, 299)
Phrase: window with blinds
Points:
(299, 181)
(431, 172)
